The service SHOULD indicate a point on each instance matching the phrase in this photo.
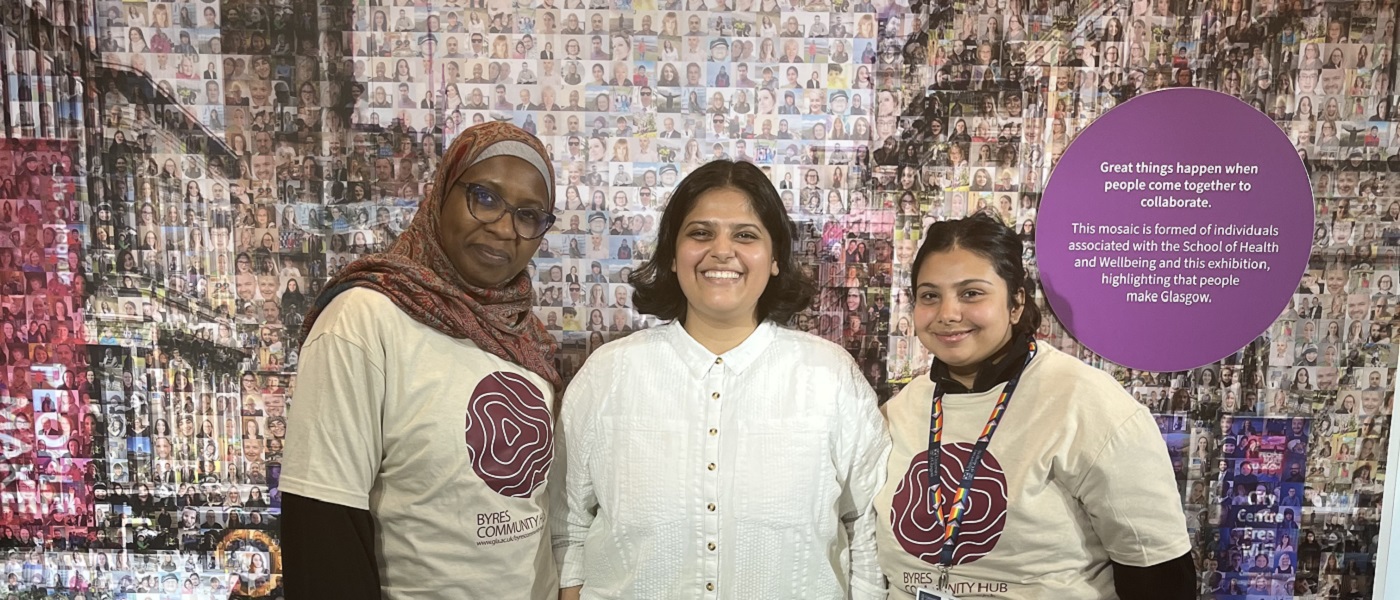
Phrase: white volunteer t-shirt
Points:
(1076, 475)
(449, 448)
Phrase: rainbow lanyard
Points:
(952, 517)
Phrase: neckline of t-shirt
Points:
(992, 394)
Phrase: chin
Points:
(723, 311)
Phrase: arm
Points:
(329, 548)
(1171, 580)
(334, 446)
(866, 445)
(1129, 492)
(573, 504)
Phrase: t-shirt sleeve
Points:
(1129, 492)
(335, 424)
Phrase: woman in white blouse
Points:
(720, 455)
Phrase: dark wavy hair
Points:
(658, 291)
(985, 235)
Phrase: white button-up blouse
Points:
(682, 474)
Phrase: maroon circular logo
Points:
(510, 434)
(915, 523)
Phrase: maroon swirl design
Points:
(915, 524)
(510, 434)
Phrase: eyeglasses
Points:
(487, 207)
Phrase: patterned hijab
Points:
(419, 278)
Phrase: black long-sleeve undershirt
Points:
(328, 551)
(1171, 580)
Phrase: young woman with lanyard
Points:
(1054, 482)
(424, 404)
(721, 455)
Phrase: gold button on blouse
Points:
(719, 361)
(709, 587)
(711, 466)
(710, 507)
(711, 546)
(714, 431)
(715, 395)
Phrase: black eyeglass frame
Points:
(476, 192)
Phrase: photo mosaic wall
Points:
(178, 179)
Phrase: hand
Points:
(570, 593)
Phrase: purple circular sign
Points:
(1174, 230)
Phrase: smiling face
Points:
(962, 311)
(724, 258)
(1336, 281)
(1370, 403)
(1357, 306)
(489, 255)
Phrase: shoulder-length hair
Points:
(658, 291)
(987, 236)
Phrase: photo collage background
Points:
(180, 178)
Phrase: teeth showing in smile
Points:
(954, 337)
(721, 275)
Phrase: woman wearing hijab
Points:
(291, 297)
(425, 398)
(293, 300)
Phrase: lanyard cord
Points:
(952, 517)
